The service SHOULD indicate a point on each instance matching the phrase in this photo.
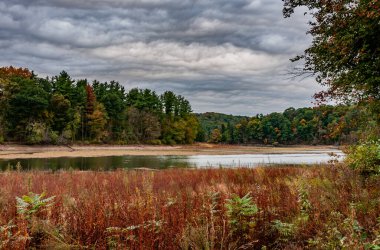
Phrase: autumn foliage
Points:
(344, 55)
(8, 72)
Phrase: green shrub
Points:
(240, 212)
(35, 133)
(53, 137)
(365, 157)
(154, 142)
(29, 205)
(286, 231)
(305, 205)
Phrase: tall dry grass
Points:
(313, 207)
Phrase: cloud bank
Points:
(224, 56)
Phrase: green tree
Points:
(255, 130)
(77, 124)
(9, 78)
(27, 105)
(145, 125)
(67, 120)
(96, 122)
(144, 99)
(95, 116)
(304, 125)
(184, 107)
(216, 136)
(61, 108)
(224, 132)
(241, 134)
(191, 129)
(276, 128)
(169, 101)
(112, 95)
(345, 52)
(64, 85)
(180, 130)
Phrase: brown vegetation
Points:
(314, 207)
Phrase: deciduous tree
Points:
(345, 51)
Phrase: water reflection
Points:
(162, 162)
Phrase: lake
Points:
(163, 162)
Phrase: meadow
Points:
(318, 207)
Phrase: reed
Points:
(297, 207)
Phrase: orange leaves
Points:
(8, 72)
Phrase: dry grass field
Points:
(320, 207)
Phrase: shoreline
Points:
(15, 151)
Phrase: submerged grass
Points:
(283, 207)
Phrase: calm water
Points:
(161, 162)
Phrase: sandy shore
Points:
(22, 151)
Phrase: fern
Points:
(240, 212)
(285, 230)
(28, 205)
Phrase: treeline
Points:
(59, 110)
(319, 125)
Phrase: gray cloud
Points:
(224, 56)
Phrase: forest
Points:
(60, 110)
(324, 124)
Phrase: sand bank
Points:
(23, 151)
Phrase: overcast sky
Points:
(228, 56)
